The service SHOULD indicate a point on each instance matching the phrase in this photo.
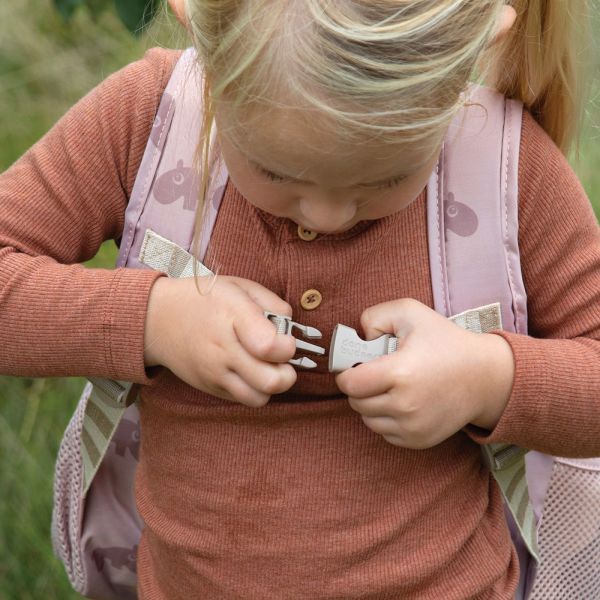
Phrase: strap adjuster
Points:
(122, 393)
(500, 456)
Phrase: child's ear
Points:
(178, 7)
(505, 22)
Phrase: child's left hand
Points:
(440, 378)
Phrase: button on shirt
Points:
(306, 234)
(311, 299)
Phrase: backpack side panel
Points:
(67, 510)
(569, 532)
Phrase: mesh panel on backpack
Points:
(569, 535)
(68, 483)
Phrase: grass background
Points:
(45, 67)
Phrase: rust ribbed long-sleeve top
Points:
(298, 499)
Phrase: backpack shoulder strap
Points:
(472, 219)
(165, 194)
(473, 211)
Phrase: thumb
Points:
(255, 333)
(396, 318)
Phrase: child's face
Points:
(328, 185)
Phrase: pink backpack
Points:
(551, 503)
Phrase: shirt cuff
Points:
(125, 322)
(554, 405)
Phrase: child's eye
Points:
(391, 183)
(274, 177)
(271, 176)
(279, 179)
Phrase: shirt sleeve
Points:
(554, 405)
(58, 203)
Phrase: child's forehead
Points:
(305, 146)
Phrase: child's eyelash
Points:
(273, 176)
(279, 179)
(391, 183)
(269, 175)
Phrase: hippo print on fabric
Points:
(159, 120)
(119, 558)
(127, 437)
(178, 182)
(459, 218)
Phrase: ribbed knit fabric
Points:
(298, 499)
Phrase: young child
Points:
(256, 480)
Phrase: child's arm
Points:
(58, 203)
(442, 378)
(555, 403)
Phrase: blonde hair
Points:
(544, 61)
(391, 69)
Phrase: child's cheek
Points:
(276, 199)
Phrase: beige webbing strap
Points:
(513, 483)
(480, 320)
(106, 404)
(505, 461)
(163, 255)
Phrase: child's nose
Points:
(326, 214)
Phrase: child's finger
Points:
(370, 379)
(266, 378)
(242, 392)
(259, 337)
(373, 406)
(396, 317)
(382, 425)
(264, 297)
(399, 432)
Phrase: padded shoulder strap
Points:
(473, 211)
(165, 194)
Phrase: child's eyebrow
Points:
(370, 184)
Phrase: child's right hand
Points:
(220, 342)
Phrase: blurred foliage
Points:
(135, 14)
(47, 64)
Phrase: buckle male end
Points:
(285, 325)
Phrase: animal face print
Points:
(459, 218)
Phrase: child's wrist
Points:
(153, 339)
(498, 376)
